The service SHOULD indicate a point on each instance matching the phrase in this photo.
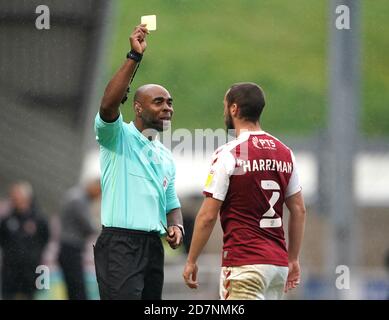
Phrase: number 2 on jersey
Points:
(267, 221)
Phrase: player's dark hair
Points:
(250, 99)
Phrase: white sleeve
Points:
(218, 180)
(294, 181)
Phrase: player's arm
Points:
(296, 206)
(175, 228)
(204, 224)
(117, 87)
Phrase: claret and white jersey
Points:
(253, 175)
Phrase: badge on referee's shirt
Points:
(165, 183)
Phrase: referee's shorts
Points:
(129, 264)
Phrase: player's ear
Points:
(234, 109)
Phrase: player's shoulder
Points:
(230, 146)
(278, 142)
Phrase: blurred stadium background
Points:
(51, 82)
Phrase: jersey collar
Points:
(244, 134)
(140, 136)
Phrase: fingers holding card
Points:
(150, 21)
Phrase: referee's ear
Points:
(137, 108)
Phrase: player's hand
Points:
(138, 38)
(293, 279)
(190, 275)
(174, 238)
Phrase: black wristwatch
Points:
(135, 56)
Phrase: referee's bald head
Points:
(146, 90)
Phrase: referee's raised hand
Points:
(116, 90)
(138, 38)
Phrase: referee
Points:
(138, 193)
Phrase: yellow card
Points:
(151, 22)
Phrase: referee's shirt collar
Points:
(139, 134)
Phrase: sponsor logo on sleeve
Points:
(209, 180)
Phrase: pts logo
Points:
(264, 143)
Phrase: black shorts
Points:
(129, 264)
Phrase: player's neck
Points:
(246, 126)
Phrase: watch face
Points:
(134, 56)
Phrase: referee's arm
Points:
(117, 87)
(175, 228)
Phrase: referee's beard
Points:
(155, 124)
